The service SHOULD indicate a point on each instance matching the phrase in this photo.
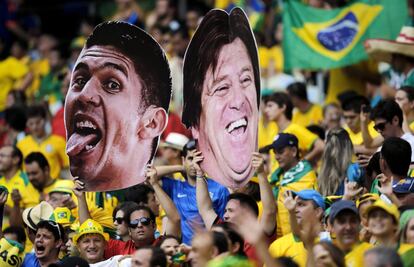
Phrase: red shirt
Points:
(58, 123)
(119, 247)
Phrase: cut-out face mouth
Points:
(85, 137)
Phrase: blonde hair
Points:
(336, 158)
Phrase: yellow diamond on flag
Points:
(336, 38)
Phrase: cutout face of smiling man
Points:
(221, 95)
(116, 106)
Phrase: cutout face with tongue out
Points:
(227, 131)
(108, 145)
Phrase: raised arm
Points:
(168, 169)
(316, 152)
(83, 210)
(204, 202)
(290, 204)
(268, 219)
(173, 226)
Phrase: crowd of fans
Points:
(332, 183)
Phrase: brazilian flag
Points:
(325, 39)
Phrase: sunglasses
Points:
(380, 126)
(145, 221)
(119, 220)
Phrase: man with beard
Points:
(116, 106)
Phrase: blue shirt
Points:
(30, 260)
(184, 197)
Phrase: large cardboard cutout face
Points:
(221, 95)
(116, 107)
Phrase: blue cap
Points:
(283, 140)
(404, 186)
(309, 194)
(340, 206)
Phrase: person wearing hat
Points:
(383, 219)
(91, 241)
(279, 108)
(32, 216)
(399, 53)
(407, 227)
(293, 174)
(362, 203)
(61, 195)
(404, 191)
(48, 241)
(302, 205)
(345, 222)
(172, 148)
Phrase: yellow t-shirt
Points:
(271, 57)
(289, 246)
(20, 182)
(39, 68)
(53, 148)
(313, 116)
(305, 137)
(356, 138)
(307, 181)
(266, 135)
(411, 126)
(355, 258)
(11, 70)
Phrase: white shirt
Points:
(115, 261)
(410, 139)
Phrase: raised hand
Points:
(195, 163)
(258, 162)
(16, 197)
(3, 197)
(78, 188)
(151, 174)
(352, 190)
(289, 201)
(386, 185)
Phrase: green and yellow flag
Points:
(324, 39)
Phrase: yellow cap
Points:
(63, 186)
(366, 197)
(391, 209)
(90, 227)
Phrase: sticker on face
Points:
(116, 106)
(221, 95)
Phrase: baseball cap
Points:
(404, 186)
(32, 216)
(63, 186)
(90, 227)
(341, 206)
(406, 216)
(283, 140)
(175, 140)
(309, 194)
(391, 209)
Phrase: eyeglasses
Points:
(380, 126)
(145, 221)
(119, 220)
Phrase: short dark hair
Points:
(217, 29)
(229, 229)
(36, 111)
(158, 257)
(298, 89)
(281, 99)
(125, 207)
(220, 242)
(55, 228)
(39, 158)
(246, 201)
(162, 238)
(137, 208)
(15, 117)
(355, 103)
(18, 231)
(387, 110)
(336, 254)
(397, 154)
(409, 90)
(149, 60)
(139, 193)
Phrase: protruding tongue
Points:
(77, 143)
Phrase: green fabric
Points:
(279, 178)
(409, 81)
(405, 217)
(230, 261)
(408, 258)
(324, 39)
(374, 188)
